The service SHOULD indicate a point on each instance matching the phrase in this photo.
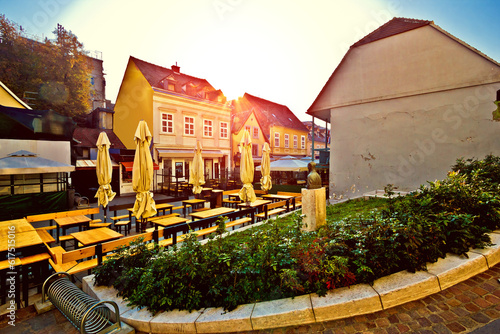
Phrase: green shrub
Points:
(362, 241)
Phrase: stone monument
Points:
(313, 200)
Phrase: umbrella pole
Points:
(105, 209)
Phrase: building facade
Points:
(268, 122)
(180, 110)
(405, 102)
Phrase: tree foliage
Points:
(57, 72)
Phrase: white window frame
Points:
(287, 140)
(189, 126)
(277, 137)
(255, 132)
(295, 141)
(224, 130)
(167, 123)
(303, 142)
(208, 128)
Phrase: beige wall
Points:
(419, 61)
(404, 108)
(409, 141)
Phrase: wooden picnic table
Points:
(17, 225)
(66, 222)
(95, 236)
(277, 198)
(169, 221)
(255, 204)
(22, 241)
(163, 207)
(211, 213)
(192, 202)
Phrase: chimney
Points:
(176, 69)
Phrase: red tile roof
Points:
(395, 26)
(267, 113)
(160, 77)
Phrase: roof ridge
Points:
(399, 25)
(169, 69)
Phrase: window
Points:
(255, 149)
(276, 139)
(223, 130)
(207, 128)
(295, 141)
(178, 169)
(189, 125)
(167, 123)
(248, 128)
(303, 142)
(286, 140)
(171, 86)
(255, 132)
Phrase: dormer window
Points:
(171, 86)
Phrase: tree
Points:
(57, 73)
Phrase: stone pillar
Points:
(314, 208)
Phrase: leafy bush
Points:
(362, 241)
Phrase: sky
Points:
(280, 50)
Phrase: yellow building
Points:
(180, 110)
(267, 122)
(9, 99)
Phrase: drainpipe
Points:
(312, 136)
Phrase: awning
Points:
(129, 165)
(25, 162)
(90, 164)
(169, 153)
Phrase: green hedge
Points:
(362, 241)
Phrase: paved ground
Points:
(472, 306)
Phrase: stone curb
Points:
(386, 292)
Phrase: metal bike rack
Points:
(87, 314)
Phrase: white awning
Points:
(25, 162)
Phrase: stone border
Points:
(386, 292)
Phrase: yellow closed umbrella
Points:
(142, 174)
(104, 172)
(247, 194)
(265, 181)
(196, 176)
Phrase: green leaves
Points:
(362, 241)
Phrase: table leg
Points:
(25, 284)
(184, 210)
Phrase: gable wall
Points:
(411, 140)
(133, 103)
(419, 61)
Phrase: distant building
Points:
(404, 103)
(35, 158)
(267, 122)
(321, 140)
(180, 110)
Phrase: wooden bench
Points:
(88, 258)
(122, 221)
(206, 226)
(272, 209)
(54, 215)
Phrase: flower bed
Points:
(277, 260)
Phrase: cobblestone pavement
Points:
(463, 308)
